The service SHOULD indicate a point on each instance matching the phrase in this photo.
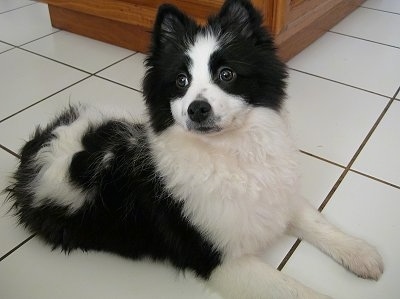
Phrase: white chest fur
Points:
(236, 186)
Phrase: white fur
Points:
(228, 109)
(236, 186)
(248, 277)
(239, 188)
(54, 159)
(354, 254)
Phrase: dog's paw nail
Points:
(365, 261)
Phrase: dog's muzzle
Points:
(201, 117)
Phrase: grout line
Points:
(7, 43)
(3, 12)
(335, 187)
(57, 61)
(395, 13)
(342, 176)
(289, 255)
(364, 39)
(112, 81)
(10, 151)
(66, 64)
(114, 63)
(43, 36)
(12, 47)
(17, 247)
(376, 179)
(342, 83)
(49, 96)
(322, 159)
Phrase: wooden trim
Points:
(276, 14)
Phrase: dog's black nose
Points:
(199, 111)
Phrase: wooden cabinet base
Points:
(295, 38)
(127, 23)
(114, 32)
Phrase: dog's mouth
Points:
(207, 130)
(203, 128)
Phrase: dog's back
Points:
(88, 181)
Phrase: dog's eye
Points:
(226, 74)
(182, 80)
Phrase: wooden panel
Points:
(117, 33)
(120, 11)
(294, 3)
(136, 12)
(296, 38)
(307, 9)
(156, 3)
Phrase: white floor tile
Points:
(129, 72)
(317, 178)
(81, 52)
(45, 274)
(372, 25)
(367, 209)
(326, 117)
(6, 5)
(30, 78)
(10, 234)
(27, 23)
(352, 61)
(93, 91)
(380, 157)
(4, 47)
(387, 5)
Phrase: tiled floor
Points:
(345, 118)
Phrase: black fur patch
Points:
(129, 212)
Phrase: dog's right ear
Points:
(171, 25)
(241, 17)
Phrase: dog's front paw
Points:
(362, 259)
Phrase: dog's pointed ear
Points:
(170, 25)
(240, 16)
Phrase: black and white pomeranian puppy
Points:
(207, 183)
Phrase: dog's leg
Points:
(250, 278)
(354, 254)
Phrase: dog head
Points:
(206, 78)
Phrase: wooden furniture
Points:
(127, 23)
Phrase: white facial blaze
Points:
(226, 107)
(200, 55)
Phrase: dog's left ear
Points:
(241, 17)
